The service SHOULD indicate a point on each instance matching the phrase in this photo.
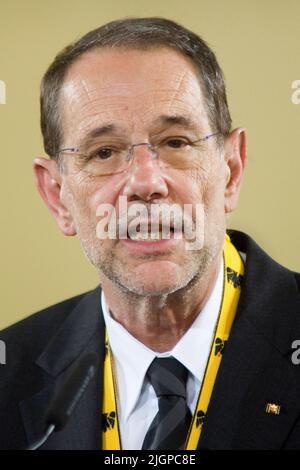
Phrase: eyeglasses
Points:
(109, 158)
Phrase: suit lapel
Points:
(256, 368)
(252, 374)
(82, 332)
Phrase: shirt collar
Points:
(193, 349)
(132, 358)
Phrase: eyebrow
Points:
(176, 120)
(113, 128)
(98, 132)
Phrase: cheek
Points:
(206, 186)
(214, 201)
(86, 195)
(91, 192)
(193, 186)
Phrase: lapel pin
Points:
(273, 409)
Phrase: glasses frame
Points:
(76, 150)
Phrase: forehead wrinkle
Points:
(92, 85)
(73, 91)
(178, 88)
(78, 95)
(98, 119)
(85, 92)
(90, 74)
(134, 112)
(98, 126)
(179, 116)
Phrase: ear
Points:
(49, 181)
(235, 159)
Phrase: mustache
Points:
(156, 216)
(185, 221)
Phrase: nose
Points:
(145, 179)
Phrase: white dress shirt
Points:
(137, 403)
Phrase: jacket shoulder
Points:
(30, 335)
(297, 277)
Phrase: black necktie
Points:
(169, 428)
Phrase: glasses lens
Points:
(103, 160)
(111, 158)
(178, 155)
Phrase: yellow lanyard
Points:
(233, 273)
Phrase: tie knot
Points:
(168, 377)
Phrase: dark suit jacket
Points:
(256, 368)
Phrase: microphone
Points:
(64, 402)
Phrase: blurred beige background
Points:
(257, 44)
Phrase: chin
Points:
(156, 278)
(152, 290)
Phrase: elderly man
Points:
(195, 340)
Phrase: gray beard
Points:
(110, 267)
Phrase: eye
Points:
(176, 143)
(103, 153)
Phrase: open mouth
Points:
(152, 239)
(153, 234)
